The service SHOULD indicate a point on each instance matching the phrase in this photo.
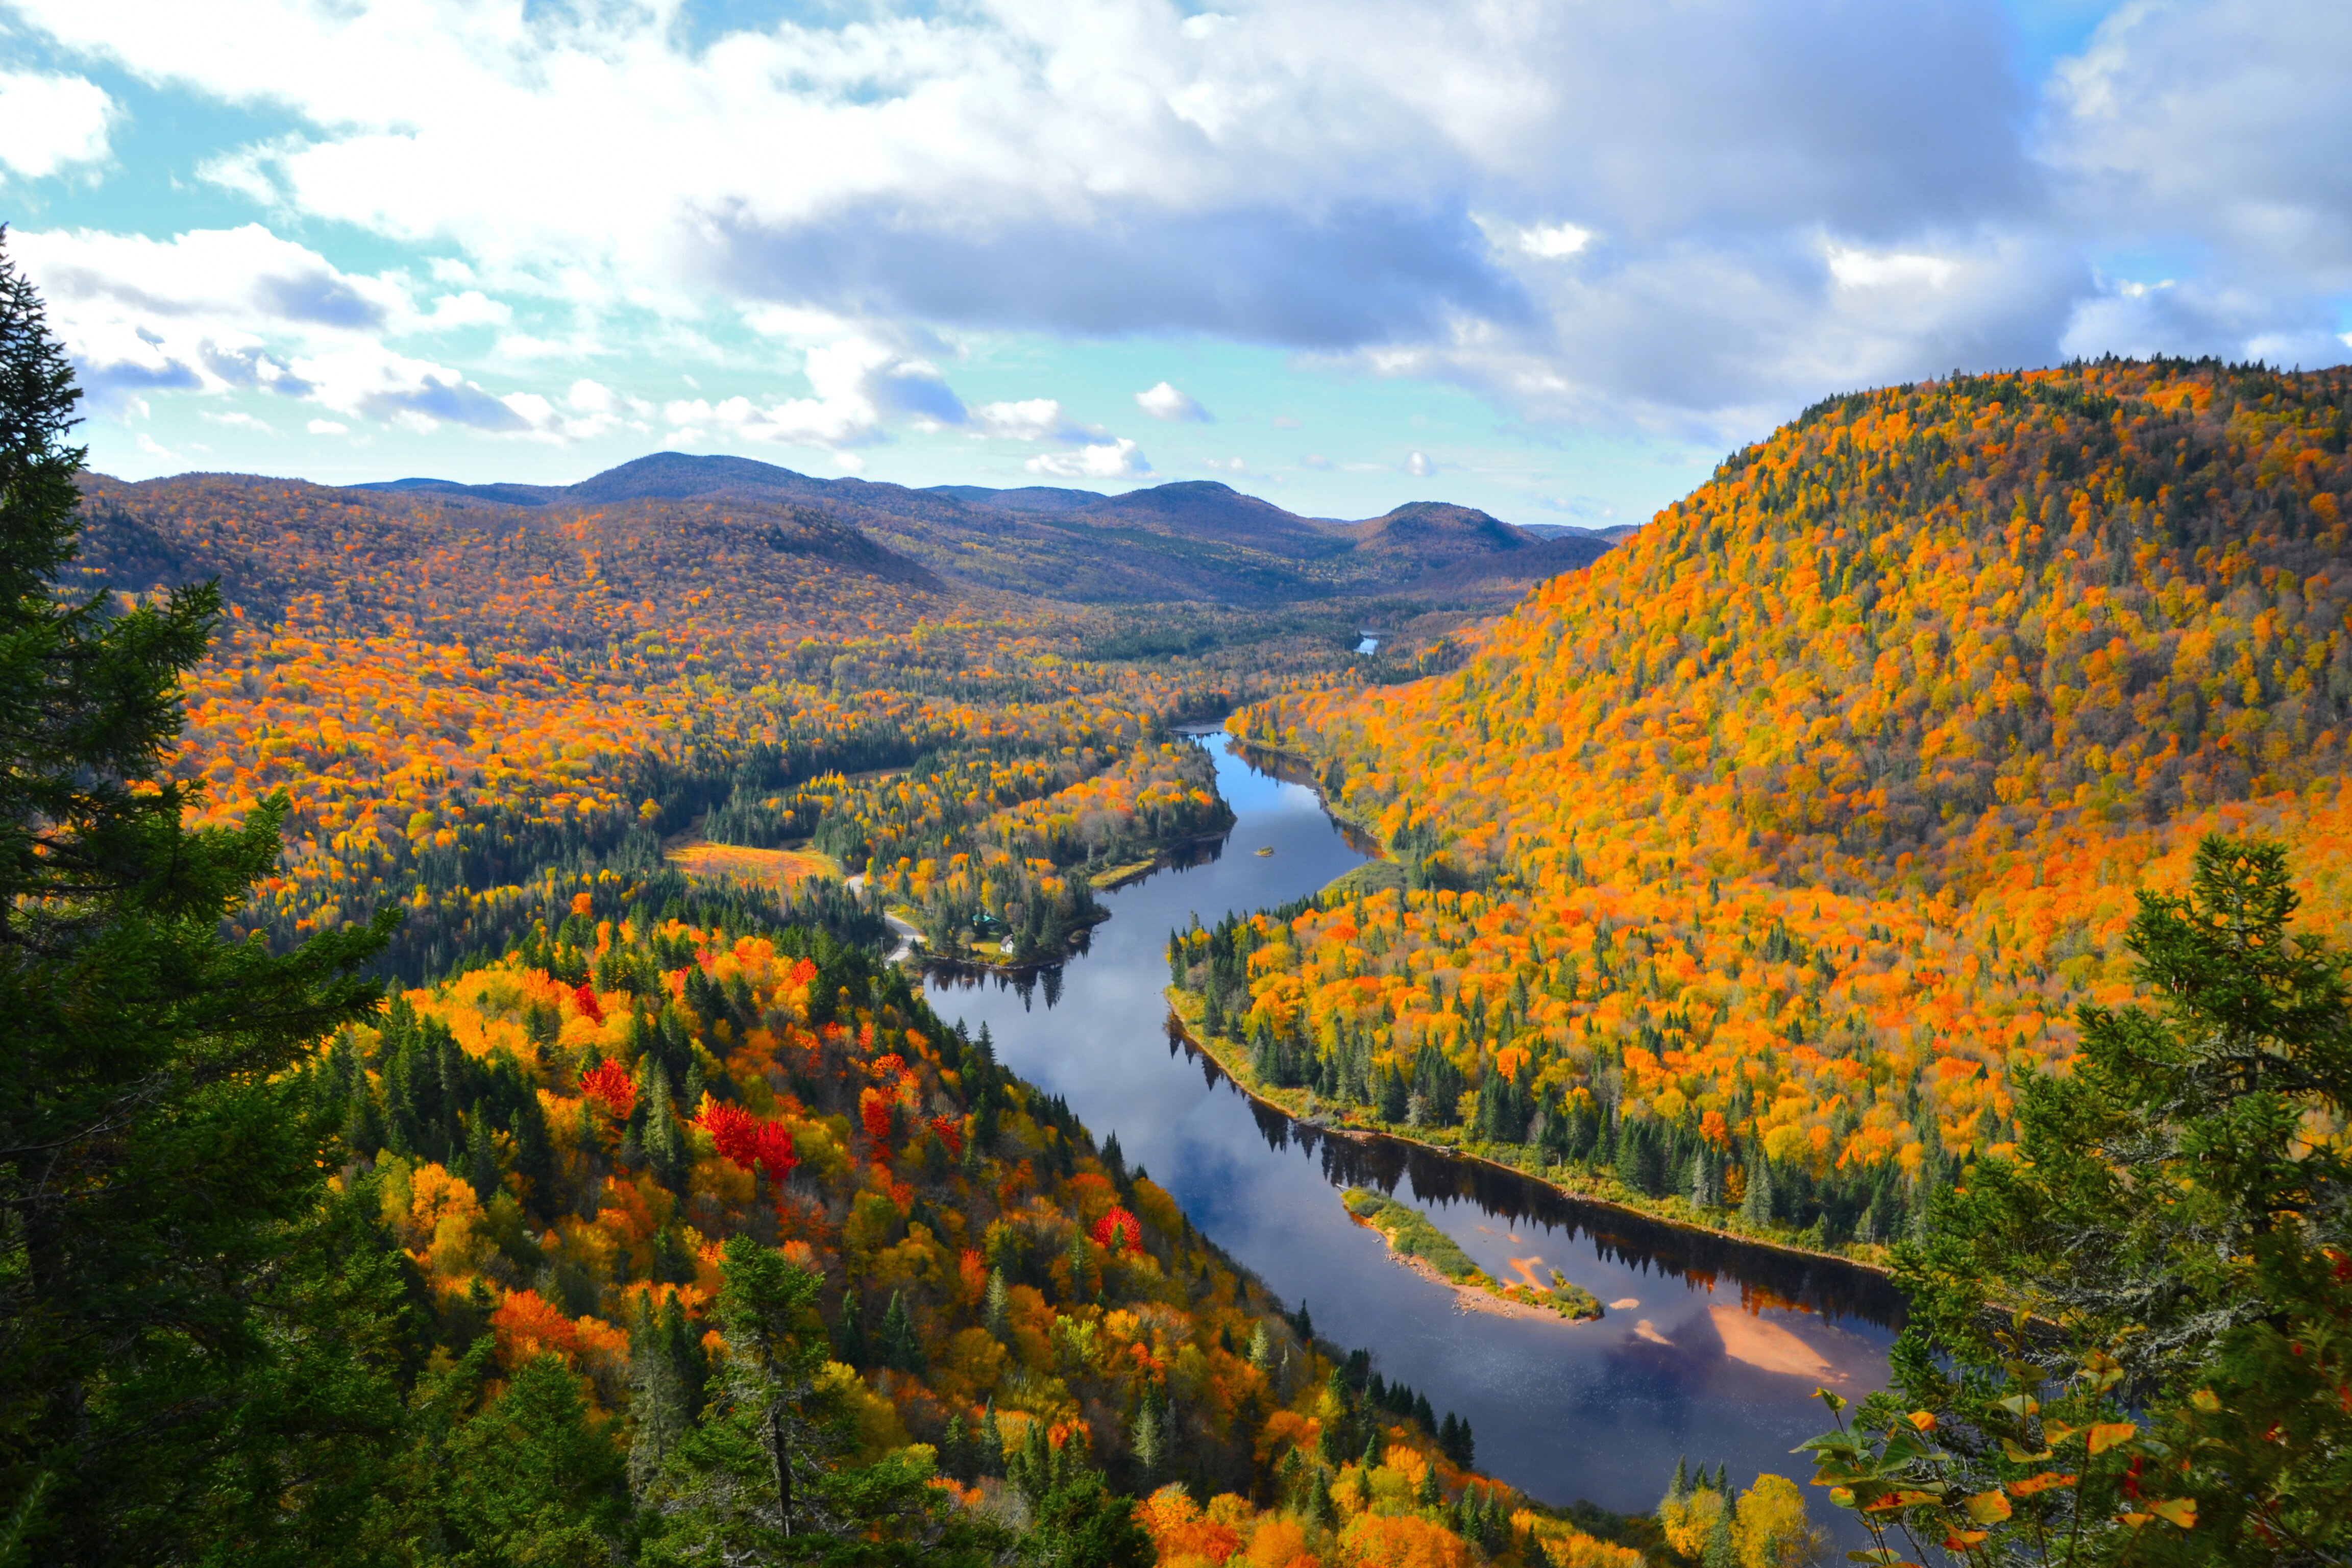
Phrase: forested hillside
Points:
(459, 697)
(1185, 540)
(1748, 866)
(566, 1147)
(680, 1231)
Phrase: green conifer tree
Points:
(160, 1176)
(999, 1303)
(481, 1159)
(1721, 1551)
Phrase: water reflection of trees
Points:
(1026, 984)
(1767, 1276)
(1290, 770)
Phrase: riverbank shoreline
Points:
(1192, 1035)
(1168, 855)
(1075, 944)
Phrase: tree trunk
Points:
(784, 1458)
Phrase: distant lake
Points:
(1711, 1348)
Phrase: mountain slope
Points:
(1196, 540)
(1809, 815)
(418, 556)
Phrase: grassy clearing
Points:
(1411, 1233)
(778, 869)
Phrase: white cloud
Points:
(1796, 195)
(217, 310)
(1031, 419)
(51, 123)
(858, 384)
(1419, 467)
(1231, 465)
(328, 428)
(1113, 460)
(1164, 402)
(1315, 460)
(1551, 241)
(368, 380)
(1861, 270)
(237, 420)
(470, 309)
(1304, 172)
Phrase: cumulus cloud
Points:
(1419, 465)
(52, 124)
(217, 310)
(859, 384)
(1551, 241)
(1033, 419)
(1164, 402)
(1115, 459)
(2217, 128)
(1582, 212)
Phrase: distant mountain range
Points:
(1188, 539)
(1195, 540)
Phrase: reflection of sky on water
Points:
(1720, 1359)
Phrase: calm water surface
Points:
(1709, 1348)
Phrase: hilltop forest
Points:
(1743, 875)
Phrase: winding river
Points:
(1710, 1349)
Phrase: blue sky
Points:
(1546, 257)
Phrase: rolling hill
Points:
(1195, 539)
(414, 556)
(1792, 829)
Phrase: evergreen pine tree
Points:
(1146, 1439)
(2171, 1209)
(664, 1138)
(161, 1182)
(1721, 1551)
(1755, 1207)
(955, 1456)
(532, 1479)
(991, 1442)
(658, 1416)
(849, 1339)
(999, 1303)
(481, 1159)
(900, 1347)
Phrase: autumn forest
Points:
(475, 1097)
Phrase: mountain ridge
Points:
(1191, 539)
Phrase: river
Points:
(1710, 1349)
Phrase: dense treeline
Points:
(1792, 832)
(572, 1168)
(999, 851)
(457, 696)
